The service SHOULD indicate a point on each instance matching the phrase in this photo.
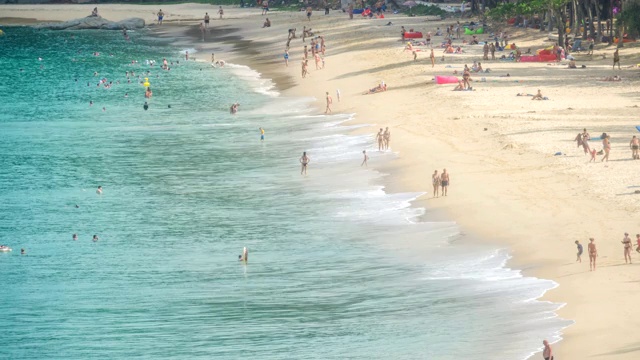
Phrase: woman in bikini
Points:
(435, 179)
(593, 254)
(627, 248)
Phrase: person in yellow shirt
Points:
(261, 134)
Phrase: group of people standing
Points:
(593, 251)
(582, 140)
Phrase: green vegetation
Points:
(628, 20)
(422, 10)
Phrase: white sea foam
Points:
(467, 272)
(259, 84)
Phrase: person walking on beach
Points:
(309, 12)
(616, 59)
(606, 145)
(435, 180)
(286, 58)
(579, 258)
(638, 243)
(329, 102)
(206, 20)
(160, 17)
(634, 144)
(387, 138)
(444, 182)
(432, 57)
(261, 134)
(304, 161)
(585, 141)
(365, 158)
(593, 254)
(547, 353)
(265, 7)
(626, 241)
(220, 12)
(380, 138)
(492, 49)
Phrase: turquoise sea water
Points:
(338, 268)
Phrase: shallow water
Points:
(332, 273)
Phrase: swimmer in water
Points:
(145, 106)
(90, 102)
(148, 93)
(75, 237)
(126, 94)
(22, 252)
(95, 238)
(99, 191)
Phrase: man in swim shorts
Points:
(444, 182)
(635, 145)
(547, 353)
(160, 17)
(304, 161)
(309, 12)
(206, 21)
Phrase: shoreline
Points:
(505, 187)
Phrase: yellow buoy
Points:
(146, 82)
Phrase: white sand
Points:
(506, 185)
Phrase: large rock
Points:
(94, 22)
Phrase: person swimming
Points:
(75, 237)
(245, 255)
(95, 238)
(145, 106)
(99, 190)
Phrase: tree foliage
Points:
(629, 18)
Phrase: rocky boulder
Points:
(94, 22)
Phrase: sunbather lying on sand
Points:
(611, 78)
(381, 87)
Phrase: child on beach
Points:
(579, 246)
(366, 157)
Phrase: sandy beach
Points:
(507, 186)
